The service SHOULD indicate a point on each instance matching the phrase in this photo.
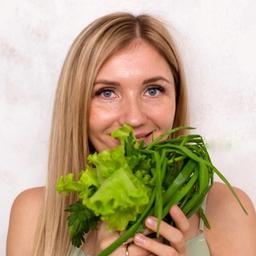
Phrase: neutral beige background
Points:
(217, 40)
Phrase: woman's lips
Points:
(147, 137)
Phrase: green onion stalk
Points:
(124, 185)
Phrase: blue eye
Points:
(105, 93)
(154, 91)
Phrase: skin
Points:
(131, 101)
(133, 87)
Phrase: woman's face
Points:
(135, 86)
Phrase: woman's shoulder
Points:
(24, 215)
(228, 221)
(220, 198)
(28, 202)
(30, 195)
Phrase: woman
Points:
(122, 69)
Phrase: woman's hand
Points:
(104, 238)
(175, 236)
(145, 246)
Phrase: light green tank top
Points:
(197, 246)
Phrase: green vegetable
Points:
(80, 221)
(124, 185)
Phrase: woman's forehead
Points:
(139, 59)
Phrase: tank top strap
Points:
(201, 222)
(197, 246)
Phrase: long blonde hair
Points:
(69, 145)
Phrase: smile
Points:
(147, 137)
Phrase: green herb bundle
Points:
(124, 185)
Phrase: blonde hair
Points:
(69, 145)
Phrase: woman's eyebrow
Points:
(147, 81)
(107, 82)
(154, 79)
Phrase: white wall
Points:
(217, 40)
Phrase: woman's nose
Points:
(133, 113)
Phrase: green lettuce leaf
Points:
(121, 194)
(116, 184)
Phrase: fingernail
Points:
(139, 239)
(151, 222)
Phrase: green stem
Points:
(130, 232)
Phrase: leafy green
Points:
(109, 187)
(80, 221)
(124, 185)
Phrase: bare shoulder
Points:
(229, 222)
(220, 193)
(24, 215)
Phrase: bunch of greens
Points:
(124, 185)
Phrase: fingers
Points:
(175, 235)
(145, 246)
(135, 250)
(180, 219)
(154, 246)
(106, 238)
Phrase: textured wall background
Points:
(217, 40)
